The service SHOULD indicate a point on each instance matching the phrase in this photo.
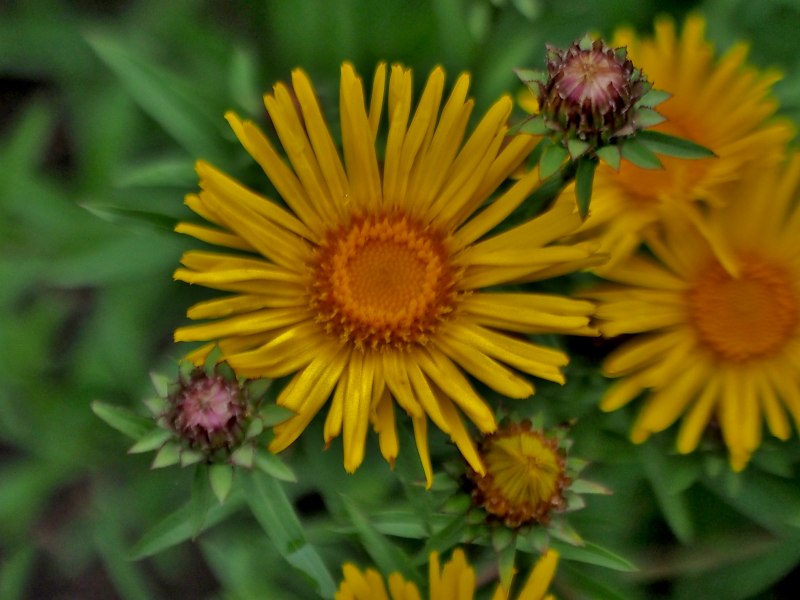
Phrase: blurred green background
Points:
(104, 107)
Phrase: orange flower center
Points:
(383, 280)
(743, 318)
(525, 476)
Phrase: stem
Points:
(542, 199)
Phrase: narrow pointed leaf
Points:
(610, 155)
(552, 158)
(128, 216)
(532, 126)
(640, 155)
(200, 501)
(647, 117)
(151, 441)
(387, 556)
(593, 554)
(274, 512)
(577, 148)
(221, 479)
(663, 143)
(527, 76)
(653, 98)
(178, 527)
(505, 562)
(272, 465)
(673, 505)
(584, 177)
(123, 420)
(168, 455)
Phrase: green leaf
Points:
(561, 530)
(505, 563)
(593, 554)
(581, 486)
(673, 505)
(386, 556)
(531, 126)
(272, 465)
(577, 148)
(177, 172)
(444, 539)
(151, 441)
(168, 455)
(15, 571)
(200, 501)
(179, 527)
(221, 479)
(527, 76)
(273, 511)
(653, 98)
(647, 117)
(244, 456)
(552, 158)
(122, 419)
(640, 155)
(157, 94)
(129, 216)
(583, 184)
(610, 155)
(272, 414)
(243, 80)
(663, 143)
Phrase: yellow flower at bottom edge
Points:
(713, 342)
(369, 288)
(455, 581)
(720, 102)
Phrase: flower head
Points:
(368, 288)
(591, 91)
(208, 412)
(454, 581)
(717, 338)
(719, 102)
(525, 475)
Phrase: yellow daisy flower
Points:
(455, 581)
(368, 288)
(713, 342)
(718, 102)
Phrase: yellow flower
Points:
(525, 475)
(714, 342)
(368, 288)
(718, 102)
(456, 581)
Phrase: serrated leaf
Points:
(640, 155)
(168, 455)
(386, 556)
(584, 178)
(272, 465)
(647, 117)
(151, 441)
(123, 420)
(593, 554)
(221, 479)
(670, 145)
(611, 155)
(273, 511)
(178, 527)
(552, 158)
